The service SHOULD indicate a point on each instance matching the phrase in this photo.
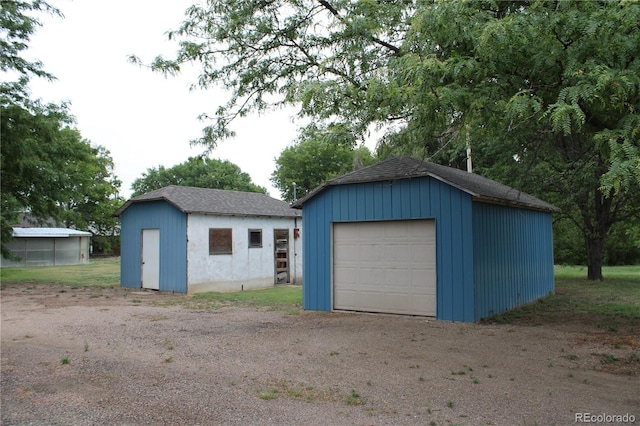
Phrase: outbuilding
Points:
(48, 247)
(405, 236)
(187, 240)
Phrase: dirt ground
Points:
(117, 357)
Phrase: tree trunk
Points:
(595, 245)
(602, 219)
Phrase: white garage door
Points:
(385, 267)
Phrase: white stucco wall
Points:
(247, 268)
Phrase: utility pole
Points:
(469, 166)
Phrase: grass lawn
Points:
(105, 272)
(100, 272)
(611, 303)
(281, 298)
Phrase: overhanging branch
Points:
(376, 40)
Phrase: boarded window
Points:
(255, 238)
(220, 241)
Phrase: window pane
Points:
(255, 237)
(220, 241)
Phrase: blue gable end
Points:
(172, 224)
(418, 198)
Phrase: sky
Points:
(144, 119)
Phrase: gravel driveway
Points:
(112, 357)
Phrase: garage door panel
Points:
(385, 267)
(346, 297)
(367, 276)
(347, 275)
(417, 282)
(397, 280)
(347, 252)
(418, 302)
(396, 253)
(371, 253)
(421, 253)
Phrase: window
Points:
(255, 238)
(220, 241)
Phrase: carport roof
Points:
(396, 168)
(48, 233)
(216, 201)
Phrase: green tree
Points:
(17, 24)
(46, 168)
(623, 246)
(321, 55)
(545, 91)
(94, 196)
(554, 85)
(317, 155)
(198, 172)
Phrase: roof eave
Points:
(298, 204)
(518, 204)
(244, 214)
(146, 200)
(475, 197)
(60, 234)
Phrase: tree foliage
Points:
(93, 194)
(317, 54)
(555, 86)
(47, 169)
(198, 172)
(17, 24)
(547, 92)
(318, 154)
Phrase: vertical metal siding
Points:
(316, 295)
(369, 209)
(443, 243)
(452, 209)
(173, 244)
(457, 243)
(468, 296)
(421, 198)
(513, 257)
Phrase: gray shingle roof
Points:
(216, 201)
(481, 188)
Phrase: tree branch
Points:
(376, 40)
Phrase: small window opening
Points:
(255, 238)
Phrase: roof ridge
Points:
(193, 199)
(406, 167)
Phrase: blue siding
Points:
(172, 224)
(316, 297)
(513, 257)
(421, 198)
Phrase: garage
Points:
(386, 267)
(406, 236)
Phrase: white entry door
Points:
(387, 266)
(151, 259)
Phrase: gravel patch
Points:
(132, 360)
